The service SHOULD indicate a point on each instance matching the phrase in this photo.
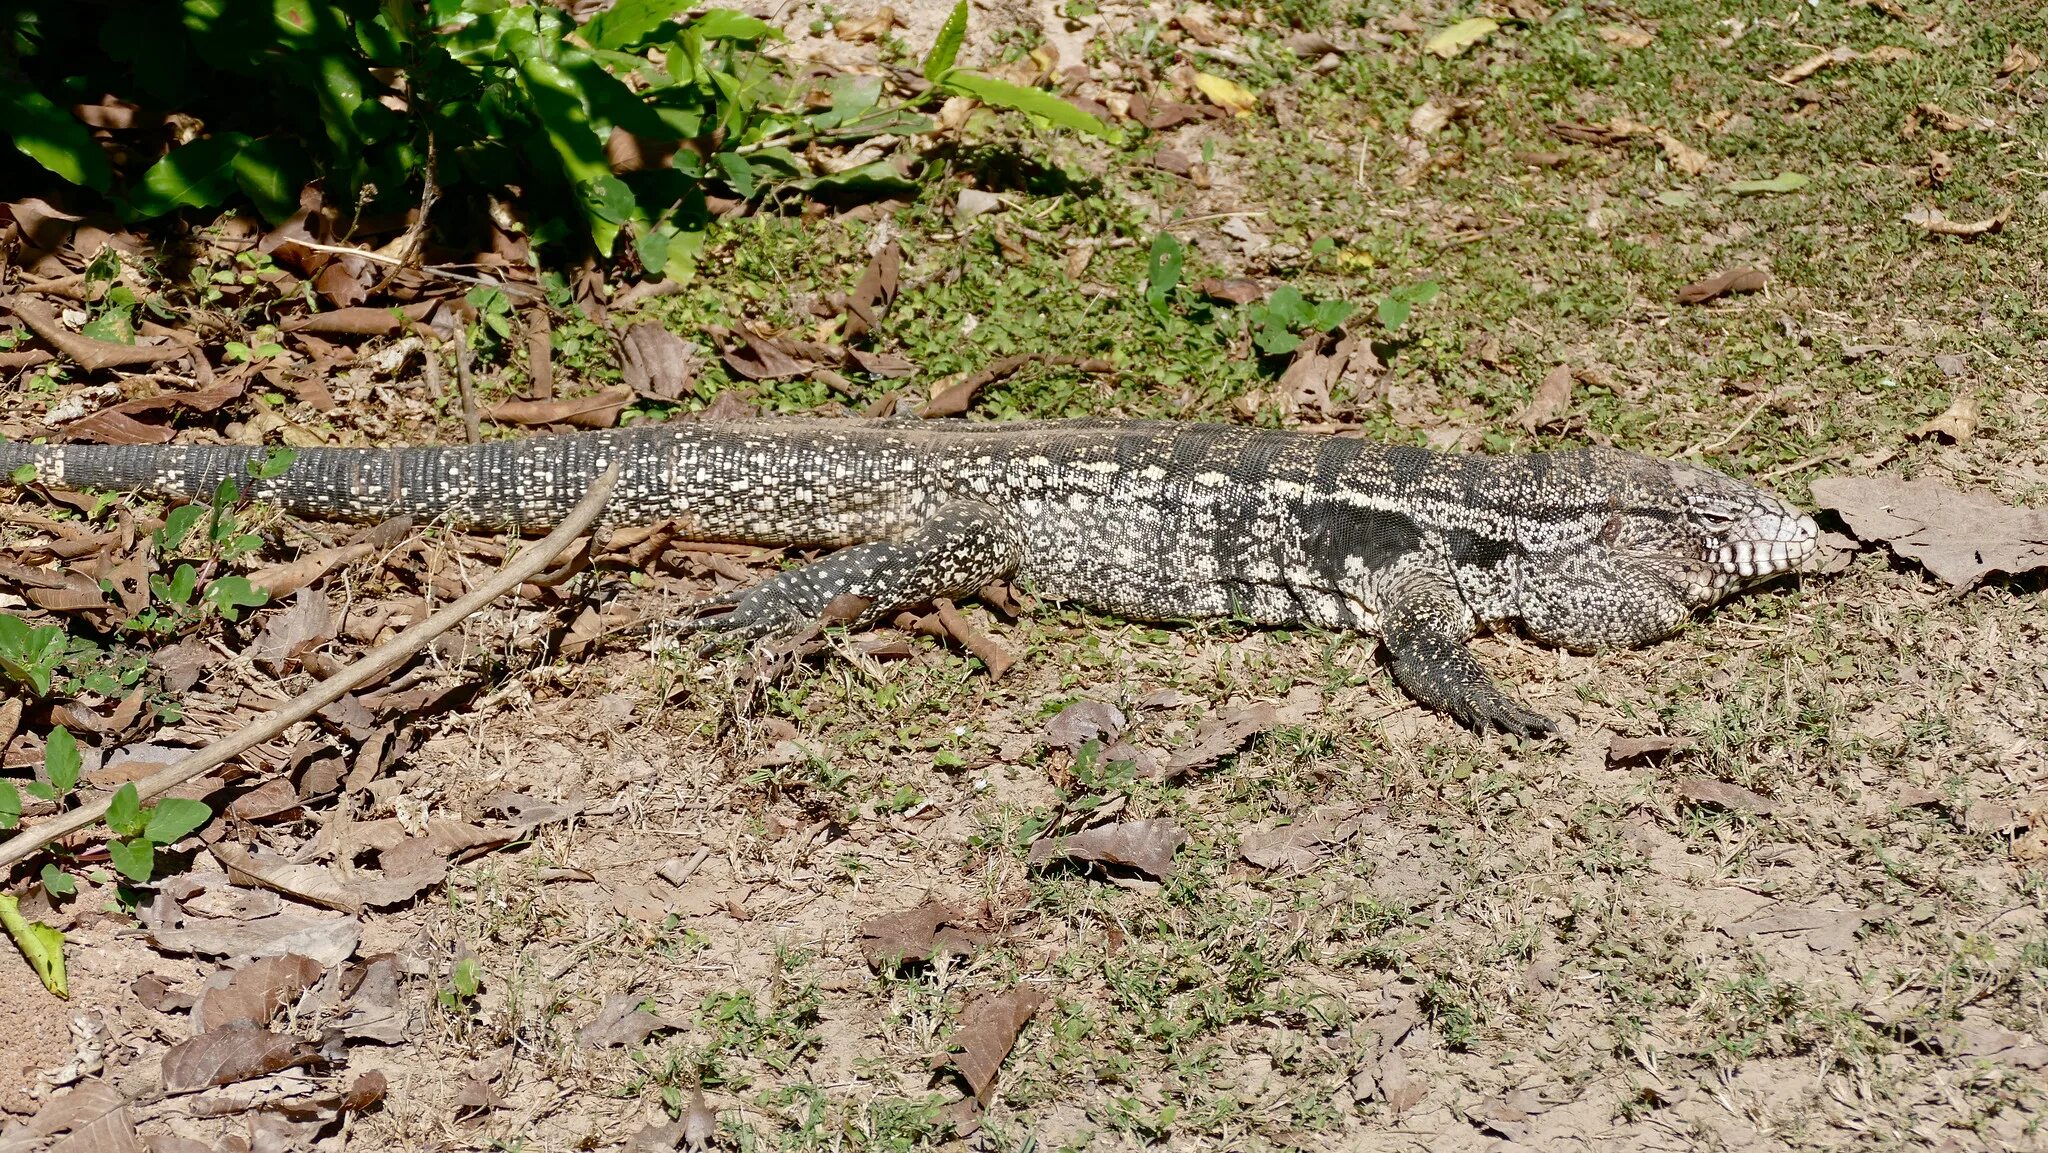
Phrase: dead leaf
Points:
(1722, 795)
(1235, 290)
(621, 1023)
(46, 229)
(1936, 223)
(289, 635)
(1147, 846)
(1960, 537)
(988, 1031)
(1623, 36)
(1549, 403)
(1940, 117)
(2017, 60)
(374, 1011)
(882, 364)
(1957, 423)
(1400, 1089)
(862, 29)
(599, 411)
(1429, 116)
(476, 1098)
(773, 358)
(282, 580)
(1619, 130)
(933, 929)
(1822, 930)
(1623, 750)
(1083, 721)
(1295, 846)
(658, 364)
(700, 1122)
(1889, 54)
(1313, 45)
(961, 631)
(329, 940)
(1221, 736)
(1841, 54)
(252, 994)
(1684, 157)
(354, 321)
(1226, 94)
(1734, 280)
(875, 291)
(225, 1056)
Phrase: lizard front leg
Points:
(1425, 626)
(964, 547)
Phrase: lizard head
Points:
(1648, 543)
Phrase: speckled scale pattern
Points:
(1584, 548)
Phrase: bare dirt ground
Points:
(1781, 883)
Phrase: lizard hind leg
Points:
(965, 546)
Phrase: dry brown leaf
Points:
(988, 1031)
(289, 635)
(875, 291)
(1623, 36)
(374, 1010)
(2018, 60)
(1297, 846)
(1147, 846)
(225, 1056)
(1889, 54)
(861, 29)
(1220, 737)
(882, 364)
(252, 994)
(1234, 290)
(933, 929)
(1684, 157)
(1731, 282)
(961, 631)
(327, 939)
(1399, 1088)
(622, 1023)
(1623, 750)
(599, 411)
(1722, 795)
(46, 228)
(282, 580)
(1960, 537)
(1083, 721)
(1935, 223)
(354, 321)
(774, 357)
(1957, 423)
(1619, 130)
(658, 364)
(1940, 117)
(1841, 54)
(1551, 400)
(1822, 930)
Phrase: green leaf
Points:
(231, 594)
(42, 945)
(10, 805)
(178, 524)
(1460, 36)
(274, 463)
(1033, 101)
(726, 24)
(1329, 314)
(875, 176)
(60, 759)
(946, 49)
(112, 326)
(1394, 312)
(134, 858)
(176, 818)
(1782, 182)
(270, 172)
(178, 590)
(629, 21)
(52, 137)
(738, 173)
(57, 882)
(1162, 269)
(1287, 308)
(124, 811)
(467, 978)
(199, 175)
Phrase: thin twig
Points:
(376, 663)
(440, 270)
(462, 386)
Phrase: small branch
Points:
(91, 355)
(463, 357)
(374, 664)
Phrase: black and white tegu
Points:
(1585, 548)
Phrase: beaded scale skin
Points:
(1584, 548)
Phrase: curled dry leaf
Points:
(1722, 795)
(282, 580)
(622, 1023)
(933, 929)
(1222, 736)
(598, 411)
(1684, 157)
(988, 1031)
(1084, 721)
(1623, 36)
(658, 364)
(875, 291)
(329, 940)
(1298, 845)
(1623, 750)
(1147, 846)
(1235, 290)
(1960, 537)
(1841, 54)
(1551, 400)
(2018, 60)
(1227, 94)
(1619, 130)
(1936, 223)
(1735, 280)
(252, 994)
(225, 1056)
(1957, 423)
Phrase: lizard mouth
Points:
(1780, 547)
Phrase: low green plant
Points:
(465, 981)
(1280, 321)
(142, 830)
(191, 592)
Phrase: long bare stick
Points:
(379, 660)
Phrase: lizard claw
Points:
(1508, 717)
